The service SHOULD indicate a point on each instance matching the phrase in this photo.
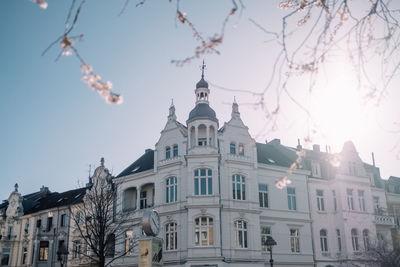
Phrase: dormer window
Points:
(352, 168)
(241, 150)
(315, 169)
(175, 150)
(167, 152)
(232, 148)
(202, 141)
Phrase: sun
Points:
(336, 104)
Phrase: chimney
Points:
(316, 148)
(276, 140)
(373, 159)
(299, 147)
(147, 150)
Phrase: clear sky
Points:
(53, 126)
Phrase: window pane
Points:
(203, 186)
(210, 186)
(196, 186)
(203, 172)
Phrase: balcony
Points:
(172, 160)
(384, 220)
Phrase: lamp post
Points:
(269, 243)
(62, 255)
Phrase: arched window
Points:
(354, 240)
(232, 148)
(110, 246)
(238, 187)
(240, 238)
(171, 236)
(167, 152)
(175, 151)
(241, 150)
(171, 190)
(204, 231)
(203, 182)
(324, 240)
(129, 199)
(366, 239)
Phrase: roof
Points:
(274, 153)
(54, 200)
(144, 163)
(202, 111)
(44, 199)
(202, 84)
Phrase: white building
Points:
(207, 182)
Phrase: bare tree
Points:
(96, 222)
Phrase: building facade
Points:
(216, 191)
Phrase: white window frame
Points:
(171, 185)
(339, 240)
(320, 200)
(203, 230)
(167, 152)
(291, 197)
(323, 236)
(361, 200)
(265, 232)
(334, 200)
(232, 148)
(171, 234)
(263, 196)
(355, 240)
(350, 200)
(366, 241)
(240, 234)
(238, 187)
(294, 240)
(198, 180)
(128, 241)
(175, 151)
(241, 150)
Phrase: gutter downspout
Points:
(311, 223)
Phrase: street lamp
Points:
(269, 243)
(62, 255)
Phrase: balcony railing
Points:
(384, 220)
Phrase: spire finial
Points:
(172, 102)
(102, 162)
(203, 67)
(234, 99)
(16, 187)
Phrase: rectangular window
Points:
(350, 203)
(39, 223)
(5, 256)
(232, 148)
(320, 200)
(352, 168)
(315, 169)
(128, 241)
(63, 220)
(334, 200)
(294, 240)
(376, 205)
(361, 200)
(204, 231)
(265, 232)
(76, 249)
(175, 150)
(240, 238)
(291, 197)
(203, 182)
(171, 190)
(238, 187)
(167, 152)
(24, 255)
(49, 223)
(44, 250)
(27, 228)
(339, 240)
(171, 236)
(143, 199)
(10, 234)
(202, 141)
(263, 195)
(241, 150)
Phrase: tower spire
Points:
(203, 67)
